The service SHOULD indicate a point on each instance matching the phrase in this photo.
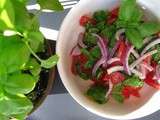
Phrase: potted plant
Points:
(24, 64)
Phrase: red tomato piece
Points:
(117, 77)
(150, 81)
(121, 50)
(113, 16)
(129, 90)
(84, 20)
(78, 59)
(148, 59)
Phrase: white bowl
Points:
(132, 108)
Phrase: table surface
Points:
(59, 105)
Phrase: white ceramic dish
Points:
(132, 108)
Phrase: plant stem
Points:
(33, 53)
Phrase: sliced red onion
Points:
(75, 51)
(126, 59)
(147, 39)
(150, 45)
(135, 53)
(115, 69)
(138, 61)
(143, 71)
(80, 40)
(112, 60)
(102, 45)
(158, 72)
(139, 74)
(110, 89)
(97, 65)
(118, 33)
(147, 66)
(115, 48)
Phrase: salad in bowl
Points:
(119, 51)
(110, 57)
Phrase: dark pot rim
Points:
(50, 81)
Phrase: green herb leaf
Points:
(117, 89)
(156, 56)
(127, 9)
(50, 62)
(100, 15)
(149, 28)
(101, 25)
(118, 97)
(133, 81)
(7, 15)
(117, 93)
(19, 83)
(15, 104)
(95, 52)
(90, 40)
(97, 93)
(50, 4)
(134, 37)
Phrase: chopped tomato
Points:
(153, 64)
(128, 91)
(117, 77)
(113, 16)
(86, 19)
(148, 59)
(121, 50)
(78, 59)
(150, 81)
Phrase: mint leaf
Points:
(133, 81)
(50, 4)
(95, 52)
(127, 9)
(149, 28)
(97, 93)
(50, 62)
(90, 40)
(100, 15)
(117, 93)
(7, 15)
(117, 89)
(136, 15)
(118, 97)
(134, 37)
(156, 56)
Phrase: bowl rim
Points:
(118, 117)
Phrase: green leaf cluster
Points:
(130, 18)
(20, 66)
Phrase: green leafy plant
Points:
(130, 18)
(20, 66)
